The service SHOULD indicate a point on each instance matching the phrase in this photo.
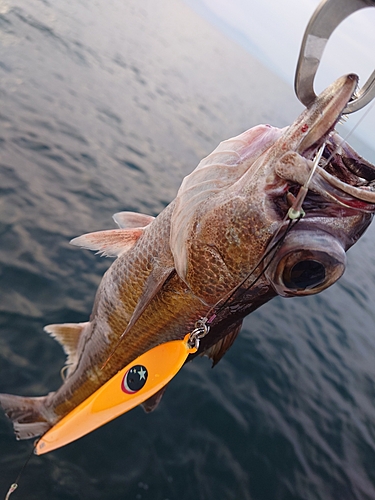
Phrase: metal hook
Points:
(328, 15)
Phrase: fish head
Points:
(230, 219)
(339, 204)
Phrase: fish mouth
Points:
(345, 177)
(339, 203)
(321, 116)
(342, 175)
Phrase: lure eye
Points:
(307, 262)
(134, 379)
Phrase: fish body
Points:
(210, 253)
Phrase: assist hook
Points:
(328, 15)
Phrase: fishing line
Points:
(273, 248)
(202, 325)
(294, 214)
(360, 120)
(14, 485)
(296, 211)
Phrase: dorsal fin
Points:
(130, 220)
(68, 335)
(217, 351)
(111, 243)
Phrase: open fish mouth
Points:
(342, 175)
(345, 176)
(343, 179)
(339, 202)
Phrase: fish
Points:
(222, 248)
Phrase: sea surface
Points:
(105, 106)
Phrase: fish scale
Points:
(173, 311)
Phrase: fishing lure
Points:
(131, 386)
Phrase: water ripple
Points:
(106, 107)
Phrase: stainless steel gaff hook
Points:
(328, 15)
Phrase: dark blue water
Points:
(105, 106)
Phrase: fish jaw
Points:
(343, 176)
(339, 205)
(311, 128)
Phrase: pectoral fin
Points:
(111, 243)
(153, 284)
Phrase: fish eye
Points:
(308, 261)
(305, 274)
(134, 379)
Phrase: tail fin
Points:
(26, 415)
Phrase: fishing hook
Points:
(325, 19)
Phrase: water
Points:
(105, 106)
